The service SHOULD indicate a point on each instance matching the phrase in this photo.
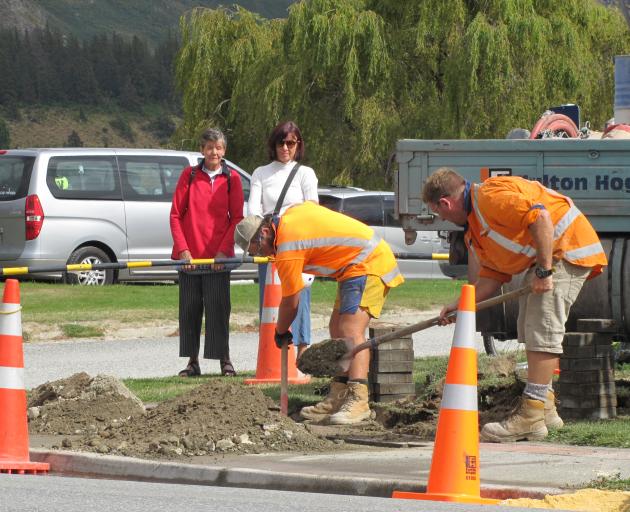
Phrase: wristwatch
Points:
(541, 273)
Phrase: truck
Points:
(593, 172)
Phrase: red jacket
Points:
(204, 215)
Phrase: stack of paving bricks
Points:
(586, 386)
(391, 366)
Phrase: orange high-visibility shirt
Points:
(313, 239)
(498, 233)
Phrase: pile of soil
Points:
(81, 404)
(214, 418)
(584, 499)
(322, 359)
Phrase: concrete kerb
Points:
(92, 465)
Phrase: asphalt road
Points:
(24, 493)
(137, 358)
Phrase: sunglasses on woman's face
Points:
(289, 143)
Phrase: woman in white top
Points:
(286, 148)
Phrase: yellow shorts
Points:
(367, 292)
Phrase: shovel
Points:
(336, 357)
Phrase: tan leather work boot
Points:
(552, 419)
(329, 405)
(355, 408)
(527, 422)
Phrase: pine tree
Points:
(5, 134)
(74, 141)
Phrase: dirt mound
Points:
(214, 418)
(322, 359)
(584, 499)
(81, 404)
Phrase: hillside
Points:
(51, 127)
(147, 19)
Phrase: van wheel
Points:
(92, 256)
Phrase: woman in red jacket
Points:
(207, 205)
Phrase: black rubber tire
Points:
(489, 344)
(92, 255)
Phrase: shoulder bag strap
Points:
(276, 210)
(227, 173)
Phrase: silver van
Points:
(75, 205)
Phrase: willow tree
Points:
(357, 75)
(518, 57)
(218, 49)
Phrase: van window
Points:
(150, 178)
(388, 211)
(15, 175)
(83, 177)
(367, 209)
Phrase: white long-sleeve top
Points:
(268, 181)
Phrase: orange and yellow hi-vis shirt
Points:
(502, 210)
(313, 239)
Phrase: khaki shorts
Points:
(541, 316)
(371, 299)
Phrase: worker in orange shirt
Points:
(514, 225)
(313, 239)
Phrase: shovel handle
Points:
(430, 322)
(284, 379)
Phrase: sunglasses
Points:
(289, 143)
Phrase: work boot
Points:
(527, 422)
(355, 408)
(330, 404)
(552, 419)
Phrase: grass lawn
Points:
(52, 303)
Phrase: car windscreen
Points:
(15, 175)
(368, 209)
(330, 202)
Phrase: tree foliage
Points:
(357, 75)
(45, 67)
(5, 135)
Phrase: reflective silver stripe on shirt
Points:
(11, 378)
(461, 397)
(324, 271)
(567, 219)
(367, 248)
(584, 252)
(501, 240)
(390, 276)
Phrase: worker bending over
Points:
(513, 225)
(313, 239)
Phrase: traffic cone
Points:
(14, 456)
(268, 363)
(454, 474)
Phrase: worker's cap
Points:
(245, 231)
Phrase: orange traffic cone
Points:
(454, 474)
(268, 363)
(14, 456)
